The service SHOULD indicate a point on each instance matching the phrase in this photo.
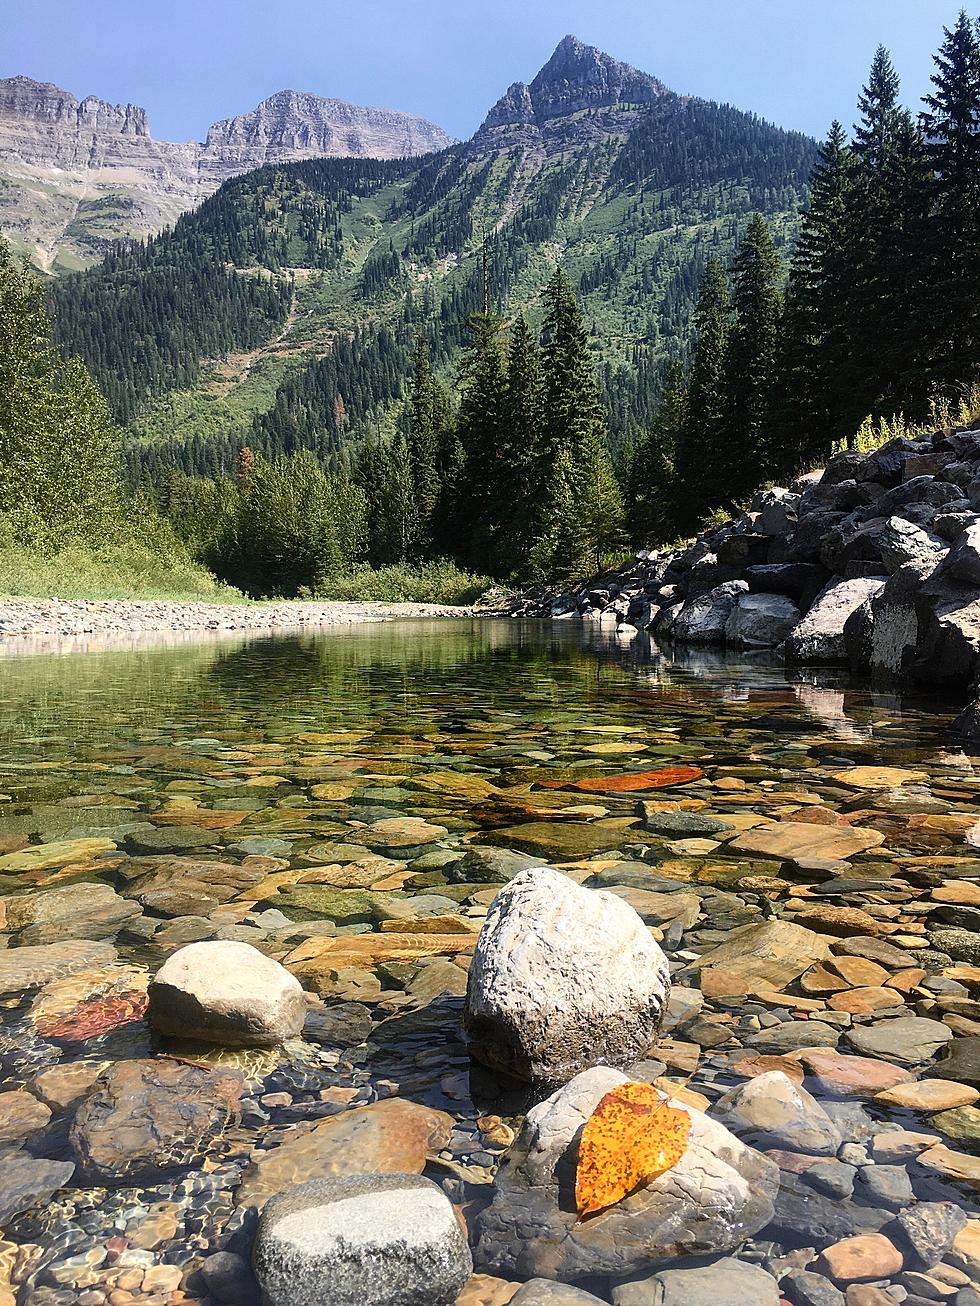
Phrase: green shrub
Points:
(430, 582)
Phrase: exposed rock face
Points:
(562, 978)
(718, 1194)
(81, 173)
(873, 561)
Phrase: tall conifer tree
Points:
(522, 464)
(952, 129)
(753, 351)
(702, 459)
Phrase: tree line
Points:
(879, 314)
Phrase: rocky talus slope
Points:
(75, 174)
(872, 562)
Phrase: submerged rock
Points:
(719, 1193)
(562, 978)
(361, 1240)
(226, 992)
(146, 1118)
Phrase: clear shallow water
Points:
(288, 750)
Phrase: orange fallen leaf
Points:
(632, 1137)
(634, 780)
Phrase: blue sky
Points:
(799, 63)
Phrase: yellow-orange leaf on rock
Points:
(632, 1137)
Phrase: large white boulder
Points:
(562, 978)
(719, 1193)
(226, 992)
(819, 637)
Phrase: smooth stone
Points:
(885, 1185)
(47, 856)
(771, 953)
(831, 1178)
(727, 1282)
(28, 1181)
(877, 777)
(562, 841)
(28, 967)
(677, 824)
(344, 1024)
(772, 1111)
(842, 921)
(168, 838)
(792, 1035)
(719, 1193)
(484, 864)
(929, 1095)
(846, 1076)
(21, 1115)
(146, 1118)
(960, 1064)
(804, 1288)
(401, 832)
(961, 1124)
(909, 1039)
(392, 1136)
(228, 993)
(72, 911)
(860, 1259)
(789, 840)
(545, 1292)
(229, 1279)
(562, 978)
(956, 1166)
(361, 1240)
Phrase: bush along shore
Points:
(872, 562)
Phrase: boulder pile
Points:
(872, 562)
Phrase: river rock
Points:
(146, 1118)
(760, 620)
(392, 1136)
(562, 978)
(819, 637)
(928, 1230)
(793, 840)
(361, 1240)
(727, 1282)
(29, 967)
(772, 1111)
(908, 1039)
(860, 1259)
(768, 955)
(546, 1292)
(72, 911)
(226, 992)
(27, 1181)
(702, 620)
(961, 1062)
(718, 1194)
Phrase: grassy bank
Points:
(121, 571)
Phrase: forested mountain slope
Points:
(283, 312)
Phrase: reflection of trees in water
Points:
(412, 676)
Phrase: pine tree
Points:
(951, 125)
(423, 442)
(474, 514)
(575, 422)
(702, 460)
(652, 513)
(753, 352)
(522, 436)
(815, 406)
(59, 454)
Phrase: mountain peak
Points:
(576, 77)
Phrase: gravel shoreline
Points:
(30, 618)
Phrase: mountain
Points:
(77, 174)
(282, 313)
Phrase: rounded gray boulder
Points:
(361, 1240)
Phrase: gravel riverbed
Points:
(36, 617)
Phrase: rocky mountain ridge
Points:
(77, 174)
(872, 562)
